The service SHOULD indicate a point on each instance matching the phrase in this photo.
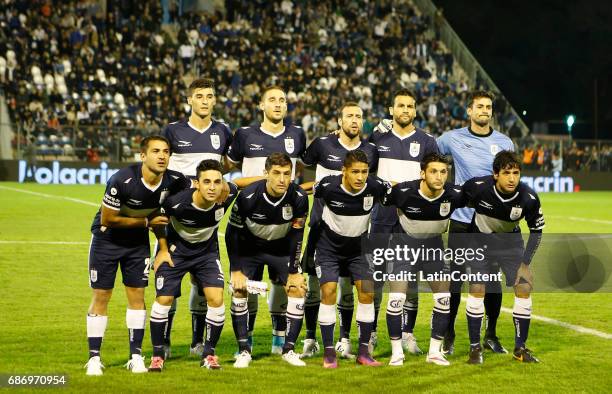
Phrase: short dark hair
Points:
(403, 92)
(200, 83)
(505, 160)
(476, 94)
(346, 105)
(433, 157)
(268, 88)
(355, 156)
(208, 165)
(278, 159)
(144, 144)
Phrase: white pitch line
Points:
(573, 327)
(579, 219)
(51, 196)
(44, 242)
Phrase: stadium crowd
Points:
(577, 156)
(116, 74)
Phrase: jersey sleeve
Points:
(301, 204)
(235, 151)
(534, 215)
(302, 142)
(374, 163)
(182, 182)
(469, 190)
(320, 187)
(237, 216)
(229, 138)
(113, 195)
(233, 193)
(382, 187)
(443, 143)
(310, 156)
(432, 146)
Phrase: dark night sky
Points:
(543, 55)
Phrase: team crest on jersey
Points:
(368, 201)
(445, 208)
(494, 149)
(415, 148)
(287, 212)
(163, 196)
(93, 275)
(113, 191)
(289, 145)
(219, 214)
(215, 141)
(159, 283)
(515, 213)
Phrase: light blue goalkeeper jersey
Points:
(472, 157)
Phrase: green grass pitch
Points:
(45, 295)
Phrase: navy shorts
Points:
(507, 259)
(330, 268)
(205, 268)
(106, 256)
(252, 266)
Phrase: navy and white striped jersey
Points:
(328, 154)
(421, 216)
(399, 160)
(495, 213)
(127, 193)
(347, 215)
(253, 145)
(193, 230)
(266, 217)
(190, 146)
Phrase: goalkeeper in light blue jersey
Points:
(472, 149)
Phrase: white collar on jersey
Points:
(193, 204)
(500, 197)
(271, 134)
(274, 203)
(430, 199)
(353, 194)
(202, 131)
(154, 187)
(404, 137)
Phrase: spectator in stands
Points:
(29, 155)
(556, 161)
(528, 157)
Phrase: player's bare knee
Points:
(477, 290)
(365, 297)
(328, 293)
(99, 301)
(295, 292)
(135, 297)
(165, 300)
(214, 297)
(522, 290)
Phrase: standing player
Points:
(328, 154)
(501, 201)
(348, 202)
(472, 149)
(400, 150)
(425, 207)
(193, 140)
(121, 238)
(266, 228)
(252, 146)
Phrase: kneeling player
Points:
(501, 201)
(266, 228)
(121, 239)
(424, 209)
(191, 246)
(348, 201)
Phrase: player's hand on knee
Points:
(296, 282)
(525, 273)
(163, 256)
(238, 281)
(385, 126)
